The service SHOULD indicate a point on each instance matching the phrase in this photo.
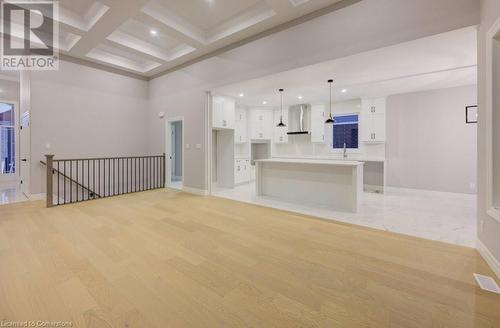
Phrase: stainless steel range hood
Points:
(299, 119)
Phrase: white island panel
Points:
(334, 184)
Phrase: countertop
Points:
(311, 161)
(351, 158)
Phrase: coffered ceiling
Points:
(148, 37)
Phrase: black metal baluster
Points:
(70, 184)
(114, 178)
(93, 178)
(109, 177)
(99, 178)
(123, 176)
(58, 184)
(88, 179)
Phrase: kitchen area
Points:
(371, 139)
(290, 154)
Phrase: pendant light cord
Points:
(330, 81)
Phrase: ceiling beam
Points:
(118, 13)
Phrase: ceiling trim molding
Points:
(102, 67)
(263, 34)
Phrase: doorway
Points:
(175, 153)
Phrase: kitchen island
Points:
(336, 184)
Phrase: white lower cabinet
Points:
(242, 171)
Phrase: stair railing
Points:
(77, 180)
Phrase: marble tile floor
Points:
(10, 193)
(441, 216)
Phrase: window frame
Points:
(10, 176)
(348, 150)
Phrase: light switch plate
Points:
(198, 146)
(188, 146)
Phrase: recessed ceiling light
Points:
(343, 90)
(241, 94)
(264, 102)
(300, 97)
(153, 32)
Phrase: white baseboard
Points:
(373, 188)
(35, 197)
(488, 257)
(195, 191)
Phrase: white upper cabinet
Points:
(280, 133)
(373, 120)
(261, 123)
(241, 126)
(318, 117)
(223, 112)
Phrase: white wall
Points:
(84, 112)
(429, 145)
(9, 90)
(179, 94)
(488, 227)
(328, 37)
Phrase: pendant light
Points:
(281, 124)
(330, 119)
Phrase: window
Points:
(345, 131)
(7, 139)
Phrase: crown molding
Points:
(101, 67)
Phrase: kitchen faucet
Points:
(345, 150)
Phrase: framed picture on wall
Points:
(471, 114)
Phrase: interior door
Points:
(25, 152)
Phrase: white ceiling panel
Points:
(208, 14)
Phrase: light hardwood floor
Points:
(166, 259)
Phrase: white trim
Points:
(16, 176)
(208, 142)
(488, 257)
(35, 197)
(488, 119)
(168, 150)
(373, 188)
(195, 191)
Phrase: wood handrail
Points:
(105, 158)
(73, 181)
